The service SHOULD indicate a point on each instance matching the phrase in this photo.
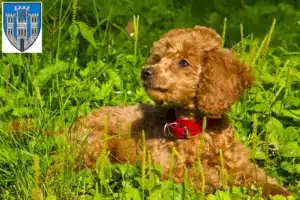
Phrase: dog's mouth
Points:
(158, 89)
(154, 88)
(151, 85)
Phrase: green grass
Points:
(89, 61)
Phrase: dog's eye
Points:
(184, 63)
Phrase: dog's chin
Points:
(156, 94)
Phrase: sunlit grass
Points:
(85, 67)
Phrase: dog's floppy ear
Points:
(222, 80)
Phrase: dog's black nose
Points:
(147, 73)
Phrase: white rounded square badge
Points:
(22, 27)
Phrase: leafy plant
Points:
(89, 60)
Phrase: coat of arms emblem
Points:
(22, 27)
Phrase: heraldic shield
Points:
(22, 23)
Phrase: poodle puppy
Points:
(192, 77)
(194, 82)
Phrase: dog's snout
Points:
(147, 73)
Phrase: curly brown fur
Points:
(209, 81)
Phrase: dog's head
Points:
(189, 69)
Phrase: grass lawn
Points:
(89, 60)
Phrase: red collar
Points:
(183, 128)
